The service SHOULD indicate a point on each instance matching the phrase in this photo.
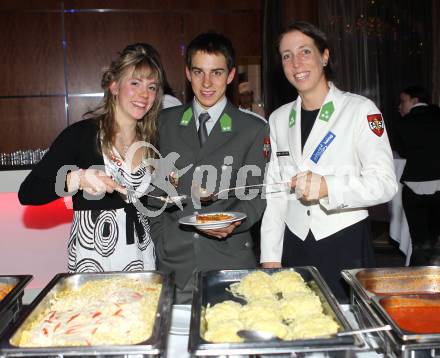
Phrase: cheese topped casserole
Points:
(281, 304)
(101, 312)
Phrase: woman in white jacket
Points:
(332, 147)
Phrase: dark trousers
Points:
(348, 248)
(423, 215)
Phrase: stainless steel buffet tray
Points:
(210, 288)
(382, 303)
(153, 346)
(11, 304)
(374, 286)
(371, 287)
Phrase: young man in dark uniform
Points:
(210, 132)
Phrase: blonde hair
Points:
(143, 61)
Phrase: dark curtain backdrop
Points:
(380, 47)
(276, 89)
(436, 52)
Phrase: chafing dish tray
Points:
(11, 302)
(413, 317)
(393, 281)
(211, 288)
(63, 285)
(376, 291)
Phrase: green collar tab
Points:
(225, 123)
(186, 117)
(326, 111)
(292, 117)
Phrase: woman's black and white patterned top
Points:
(113, 240)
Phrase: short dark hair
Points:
(417, 91)
(212, 43)
(318, 36)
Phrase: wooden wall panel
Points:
(80, 105)
(155, 5)
(218, 6)
(30, 5)
(34, 62)
(306, 10)
(243, 29)
(95, 38)
(31, 54)
(169, 5)
(30, 123)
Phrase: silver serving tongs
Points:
(205, 196)
(133, 195)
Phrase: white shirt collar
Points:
(214, 112)
(420, 104)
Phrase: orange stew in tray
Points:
(417, 315)
(5, 288)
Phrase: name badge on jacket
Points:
(322, 146)
(283, 154)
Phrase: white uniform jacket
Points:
(349, 146)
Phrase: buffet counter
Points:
(34, 238)
(10, 180)
(377, 294)
(177, 344)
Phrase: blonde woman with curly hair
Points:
(93, 160)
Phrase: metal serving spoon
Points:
(133, 196)
(251, 335)
(205, 196)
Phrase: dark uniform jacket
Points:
(181, 249)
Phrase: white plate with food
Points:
(215, 220)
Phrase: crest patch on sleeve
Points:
(376, 123)
(266, 147)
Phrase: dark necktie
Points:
(203, 132)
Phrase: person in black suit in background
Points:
(418, 133)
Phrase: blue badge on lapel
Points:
(322, 146)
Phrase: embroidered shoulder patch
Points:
(225, 123)
(292, 117)
(326, 111)
(186, 118)
(376, 124)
